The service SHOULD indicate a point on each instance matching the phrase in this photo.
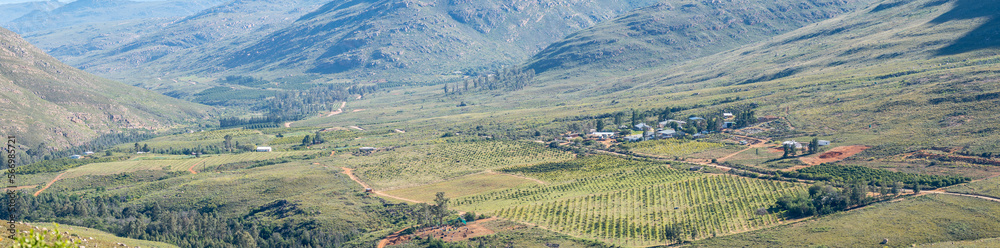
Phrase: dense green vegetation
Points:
(881, 177)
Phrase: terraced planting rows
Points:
(418, 165)
(670, 147)
(633, 203)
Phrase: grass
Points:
(987, 187)
(670, 147)
(101, 238)
(423, 164)
(915, 220)
(199, 164)
(462, 186)
(990, 242)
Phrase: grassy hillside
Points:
(856, 78)
(917, 220)
(676, 31)
(60, 105)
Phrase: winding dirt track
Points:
(191, 169)
(50, 183)
(350, 173)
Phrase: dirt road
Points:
(50, 183)
(350, 173)
(357, 127)
(339, 110)
(191, 169)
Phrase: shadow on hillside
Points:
(983, 37)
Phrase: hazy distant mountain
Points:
(676, 31)
(97, 11)
(395, 39)
(11, 11)
(45, 100)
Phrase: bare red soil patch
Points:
(446, 233)
(834, 155)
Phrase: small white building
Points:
(792, 142)
(727, 115)
(75, 156)
(824, 142)
(634, 137)
(88, 152)
(264, 149)
(367, 149)
(603, 135)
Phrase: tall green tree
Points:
(307, 140)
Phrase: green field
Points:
(423, 164)
(630, 203)
(984, 243)
(915, 220)
(671, 147)
(462, 186)
(987, 187)
(180, 164)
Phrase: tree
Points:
(599, 125)
(145, 147)
(244, 239)
(916, 188)
(228, 142)
(814, 146)
(318, 139)
(307, 140)
(440, 208)
(107, 153)
(137, 148)
(537, 133)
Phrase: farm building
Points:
(74, 156)
(792, 142)
(824, 142)
(367, 149)
(634, 138)
(603, 135)
(698, 136)
(666, 123)
(642, 126)
(666, 134)
(695, 118)
(728, 124)
(88, 152)
(727, 115)
(264, 149)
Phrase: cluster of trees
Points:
(880, 177)
(267, 119)
(315, 139)
(41, 151)
(501, 79)
(243, 80)
(825, 199)
(192, 228)
(362, 89)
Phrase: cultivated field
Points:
(915, 220)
